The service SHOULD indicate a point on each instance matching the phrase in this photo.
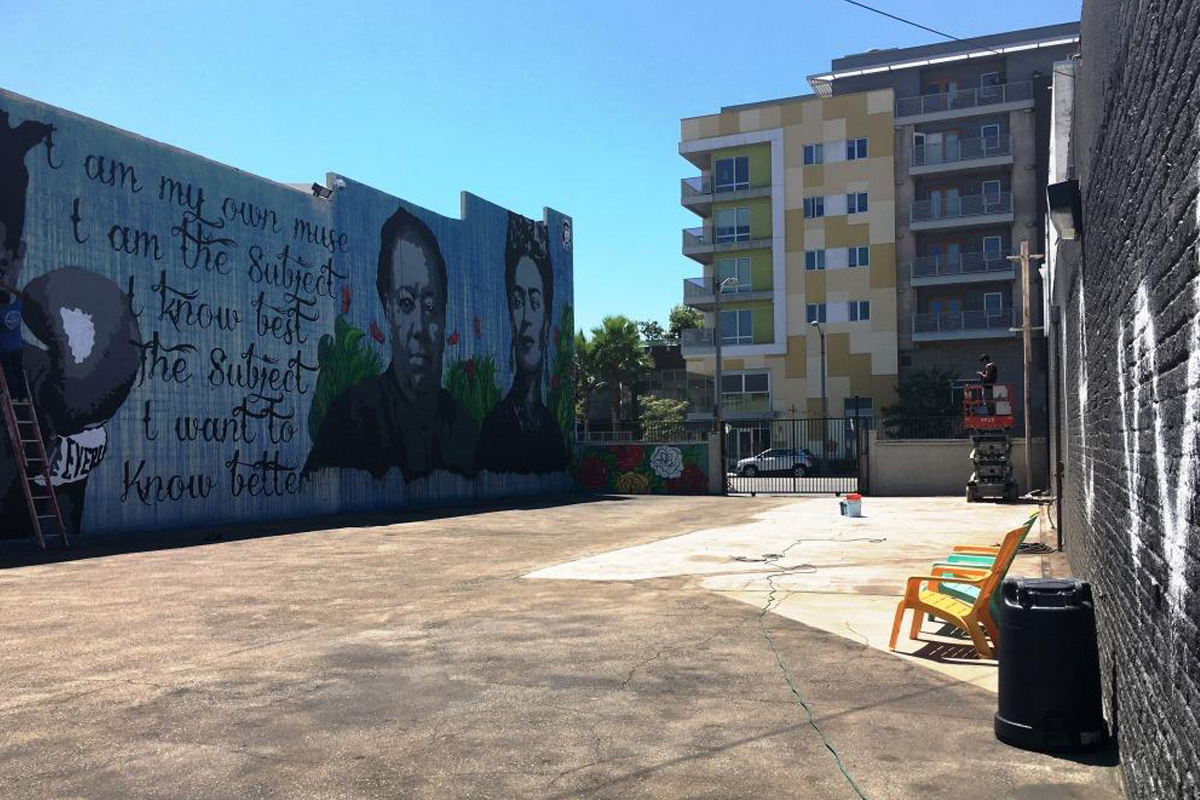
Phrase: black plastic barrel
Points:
(1049, 666)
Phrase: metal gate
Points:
(796, 456)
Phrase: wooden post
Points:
(1026, 260)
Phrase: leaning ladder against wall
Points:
(29, 451)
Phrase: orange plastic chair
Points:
(973, 618)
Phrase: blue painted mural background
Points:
(232, 282)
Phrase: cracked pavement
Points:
(408, 658)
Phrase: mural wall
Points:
(644, 468)
(206, 346)
(1127, 348)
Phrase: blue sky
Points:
(570, 104)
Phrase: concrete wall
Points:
(206, 346)
(934, 467)
(648, 468)
(1128, 347)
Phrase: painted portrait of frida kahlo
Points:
(521, 434)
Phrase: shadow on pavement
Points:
(25, 552)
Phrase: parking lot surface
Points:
(413, 658)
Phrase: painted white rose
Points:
(667, 461)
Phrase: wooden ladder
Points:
(29, 451)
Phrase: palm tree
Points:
(585, 381)
(618, 358)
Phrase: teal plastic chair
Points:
(979, 558)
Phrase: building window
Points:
(815, 312)
(856, 203)
(736, 268)
(993, 248)
(814, 207)
(860, 310)
(737, 327)
(856, 148)
(732, 174)
(814, 154)
(858, 407)
(860, 256)
(991, 190)
(749, 392)
(733, 224)
(990, 134)
(814, 259)
(990, 79)
(993, 303)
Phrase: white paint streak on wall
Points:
(1086, 466)
(1129, 449)
(1175, 507)
(1175, 478)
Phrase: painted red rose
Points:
(469, 367)
(554, 382)
(452, 338)
(556, 333)
(691, 481)
(376, 334)
(477, 324)
(345, 298)
(593, 474)
(629, 456)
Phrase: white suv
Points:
(777, 460)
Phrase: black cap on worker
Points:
(984, 357)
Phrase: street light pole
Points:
(718, 287)
(824, 394)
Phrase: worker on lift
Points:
(987, 376)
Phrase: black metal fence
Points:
(786, 456)
(645, 431)
(950, 427)
(796, 456)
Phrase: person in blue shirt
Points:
(12, 343)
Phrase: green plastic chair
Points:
(983, 558)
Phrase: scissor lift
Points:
(988, 418)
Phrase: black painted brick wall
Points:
(1137, 149)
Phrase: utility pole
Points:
(1026, 259)
(824, 394)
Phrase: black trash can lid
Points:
(1046, 592)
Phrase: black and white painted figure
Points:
(403, 417)
(521, 434)
(83, 358)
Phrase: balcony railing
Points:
(974, 205)
(702, 185)
(702, 289)
(746, 403)
(963, 99)
(697, 289)
(961, 264)
(695, 186)
(952, 152)
(697, 237)
(695, 338)
(708, 237)
(958, 321)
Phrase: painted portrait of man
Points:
(521, 434)
(402, 417)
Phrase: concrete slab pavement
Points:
(842, 575)
(385, 658)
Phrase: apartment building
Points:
(971, 126)
(796, 201)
